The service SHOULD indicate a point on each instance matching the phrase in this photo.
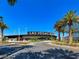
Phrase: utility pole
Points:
(19, 34)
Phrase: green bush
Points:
(34, 40)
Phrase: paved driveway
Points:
(42, 50)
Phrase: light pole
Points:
(19, 33)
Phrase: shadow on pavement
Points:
(48, 54)
(9, 50)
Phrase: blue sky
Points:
(35, 15)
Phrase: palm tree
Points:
(58, 28)
(70, 17)
(3, 27)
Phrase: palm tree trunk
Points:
(69, 30)
(63, 34)
(70, 35)
(59, 36)
(2, 34)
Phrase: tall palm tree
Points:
(3, 27)
(70, 17)
(58, 28)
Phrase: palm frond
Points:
(12, 2)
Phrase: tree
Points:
(68, 21)
(70, 17)
(58, 28)
(2, 25)
(2, 28)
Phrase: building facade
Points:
(31, 35)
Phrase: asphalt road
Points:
(42, 50)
